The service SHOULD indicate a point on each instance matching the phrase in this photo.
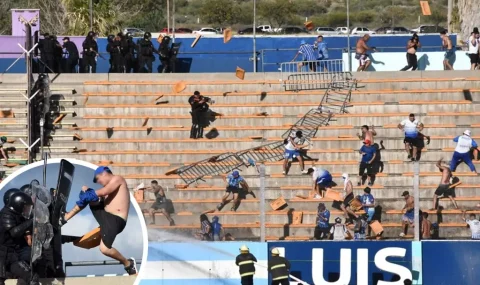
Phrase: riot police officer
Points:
(145, 53)
(90, 51)
(129, 53)
(15, 227)
(164, 53)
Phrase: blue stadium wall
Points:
(355, 262)
(212, 55)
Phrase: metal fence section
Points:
(337, 97)
(267, 152)
(309, 123)
(214, 165)
(311, 75)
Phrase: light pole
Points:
(348, 37)
(449, 16)
(90, 4)
(254, 36)
(173, 20)
(168, 17)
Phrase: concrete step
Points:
(253, 231)
(198, 206)
(245, 97)
(280, 217)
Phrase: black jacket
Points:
(13, 228)
(245, 262)
(90, 44)
(278, 266)
(145, 48)
(71, 49)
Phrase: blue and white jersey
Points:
(410, 128)
(308, 52)
(234, 181)
(216, 228)
(464, 144)
(367, 199)
(475, 228)
(322, 223)
(322, 50)
(319, 173)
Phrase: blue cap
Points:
(100, 170)
(303, 42)
(235, 173)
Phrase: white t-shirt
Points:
(410, 128)
(472, 49)
(475, 228)
(289, 145)
(464, 144)
(339, 231)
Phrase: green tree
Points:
(218, 12)
(308, 8)
(439, 16)
(277, 12)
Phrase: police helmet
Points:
(147, 35)
(91, 34)
(3, 139)
(8, 194)
(128, 35)
(110, 38)
(18, 201)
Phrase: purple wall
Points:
(18, 29)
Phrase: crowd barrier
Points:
(212, 55)
(319, 263)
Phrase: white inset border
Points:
(92, 166)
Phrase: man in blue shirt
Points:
(368, 203)
(323, 225)
(217, 229)
(321, 47)
(462, 151)
(309, 56)
(234, 184)
(368, 153)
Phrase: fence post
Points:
(262, 202)
(416, 197)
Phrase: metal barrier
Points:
(337, 97)
(95, 263)
(309, 123)
(311, 75)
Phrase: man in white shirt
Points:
(411, 127)
(474, 225)
(292, 151)
(462, 151)
(339, 230)
(473, 44)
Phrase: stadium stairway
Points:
(139, 126)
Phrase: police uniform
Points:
(13, 229)
(245, 261)
(128, 49)
(145, 54)
(90, 51)
(278, 267)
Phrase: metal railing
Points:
(311, 75)
(94, 263)
(337, 97)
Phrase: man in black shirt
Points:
(199, 107)
(145, 53)
(128, 49)
(90, 51)
(70, 56)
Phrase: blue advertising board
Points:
(349, 262)
(451, 262)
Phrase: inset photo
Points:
(70, 219)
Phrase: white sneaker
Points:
(304, 171)
(317, 196)
(402, 235)
(284, 173)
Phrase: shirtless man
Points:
(345, 206)
(426, 226)
(367, 134)
(361, 53)
(109, 206)
(160, 204)
(408, 212)
(444, 186)
(449, 53)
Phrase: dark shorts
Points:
(159, 205)
(473, 58)
(232, 189)
(364, 166)
(415, 142)
(321, 233)
(311, 65)
(348, 199)
(110, 225)
(443, 190)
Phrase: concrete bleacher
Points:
(140, 127)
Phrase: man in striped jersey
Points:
(309, 56)
(474, 225)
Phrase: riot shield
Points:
(42, 232)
